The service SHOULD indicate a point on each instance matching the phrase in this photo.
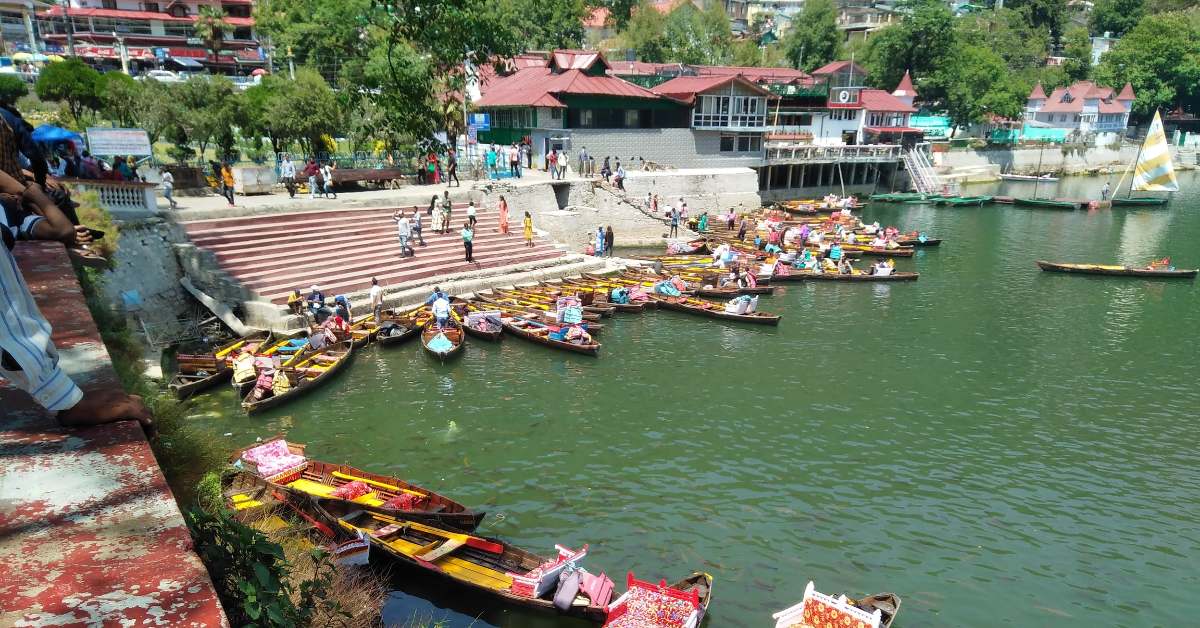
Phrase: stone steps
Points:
(342, 250)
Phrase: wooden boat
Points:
(697, 282)
(1028, 177)
(916, 240)
(599, 295)
(311, 478)
(693, 247)
(198, 372)
(530, 306)
(363, 330)
(1138, 201)
(1045, 203)
(304, 376)
(485, 564)
(289, 349)
(464, 309)
(899, 197)
(535, 331)
(452, 332)
(586, 284)
(808, 275)
(693, 592)
(551, 302)
(888, 605)
(1117, 271)
(394, 330)
(713, 310)
(541, 316)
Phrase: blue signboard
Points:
(481, 121)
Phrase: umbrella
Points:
(22, 56)
(50, 134)
(258, 72)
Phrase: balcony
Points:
(789, 152)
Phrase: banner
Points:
(108, 142)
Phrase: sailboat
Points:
(1153, 171)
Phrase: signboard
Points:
(160, 54)
(108, 142)
(472, 135)
(481, 121)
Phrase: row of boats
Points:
(268, 369)
(1045, 203)
(360, 514)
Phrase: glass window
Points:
(585, 118)
(556, 114)
(743, 144)
(631, 118)
(727, 140)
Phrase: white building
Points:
(1083, 108)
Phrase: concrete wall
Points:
(711, 189)
(681, 148)
(1053, 158)
(146, 264)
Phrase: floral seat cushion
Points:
(273, 458)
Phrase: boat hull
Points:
(1117, 271)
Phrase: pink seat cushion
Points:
(273, 458)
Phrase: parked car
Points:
(162, 76)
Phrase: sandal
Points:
(87, 257)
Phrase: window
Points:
(152, 7)
(748, 111)
(843, 114)
(741, 142)
(178, 10)
(556, 114)
(632, 119)
(711, 111)
(108, 4)
(585, 118)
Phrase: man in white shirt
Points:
(376, 300)
(403, 231)
(287, 175)
(168, 185)
(471, 214)
(441, 311)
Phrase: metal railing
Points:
(789, 152)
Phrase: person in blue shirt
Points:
(835, 252)
(437, 294)
(316, 300)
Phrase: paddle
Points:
(461, 538)
(386, 487)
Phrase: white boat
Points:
(1152, 170)
(1028, 177)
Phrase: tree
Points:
(550, 25)
(209, 110)
(698, 37)
(620, 12)
(645, 32)
(1077, 50)
(11, 89)
(305, 109)
(813, 39)
(975, 82)
(119, 97)
(158, 109)
(211, 27)
(1161, 58)
(1047, 15)
(1006, 33)
(920, 44)
(1115, 16)
(747, 53)
(72, 82)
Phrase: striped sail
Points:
(1153, 172)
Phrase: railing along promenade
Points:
(782, 153)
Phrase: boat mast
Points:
(1037, 176)
(1135, 160)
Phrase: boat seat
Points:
(599, 589)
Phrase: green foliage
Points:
(814, 39)
(620, 12)
(699, 37)
(250, 574)
(208, 111)
(1045, 15)
(645, 33)
(550, 25)
(211, 26)
(1006, 33)
(920, 44)
(1115, 16)
(1161, 58)
(11, 89)
(1077, 48)
(120, 97)
(746, 53)
(71, 82)
(975, 82)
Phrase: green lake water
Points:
(997, 445)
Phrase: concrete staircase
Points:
(341, 250)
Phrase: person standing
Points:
(528, 147)
(1104, 193)
(403, 231)
(376, 300)
(327, 178)
(620, 178)
(605, 170)
(583, 161)
(227, 182)
(446, 207)
(416, 227)
(514, 162)
(562, 164)
(527, 226)
(674, 233)
(168, 185)
(287, 175)
(745, 224)
(609, 239)
(468, 238)
(431, 168)
(552, 164)
(654, 204)
(452, 168)
(310, 172)
(599, 248)
(503, 207)
(471, 214)
(489, 158)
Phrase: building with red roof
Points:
(1082, 107)
(152, 34)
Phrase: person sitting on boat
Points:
(719, 254)
(878, 243)
(844, 267)
(815, 237)
(1159, 264)
(318, 339)
(341, 306)
(316, 300)
(872, 228)
(758, 242)
(835, 252)
(772, 249)
(848, 237)
(338, 327)
(441, 311)
(883, 269)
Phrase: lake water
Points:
(997, 445)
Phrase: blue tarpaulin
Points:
(50, 134)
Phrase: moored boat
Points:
(363, 330)
(394, 330)
(546, 334)
(820, 609)
(649, 605)
(1117, 271)
(713, 310)
(808, 275)
(484, 564)
(445, 342)
(1045, 203)
(286, 466)
(300, 378)
(1138, 201)
(198, 372)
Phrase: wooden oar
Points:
(463, 539)
(386, 487)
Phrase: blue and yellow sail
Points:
(1154, 171)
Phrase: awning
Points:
(186, 62)
(893, 129)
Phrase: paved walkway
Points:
(90, 534)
